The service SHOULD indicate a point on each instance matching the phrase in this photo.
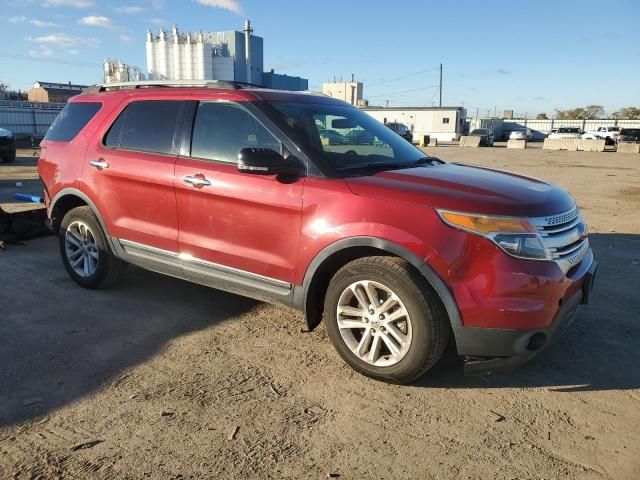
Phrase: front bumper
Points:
(496, 350)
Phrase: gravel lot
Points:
(158, 378)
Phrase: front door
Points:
(239, 226)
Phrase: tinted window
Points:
(221, 130)
(113, 136)
(71, 120)
(480, 131)
(147, 125)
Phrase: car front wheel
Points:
(384, 319)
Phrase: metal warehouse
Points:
(443, 123)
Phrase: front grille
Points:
(565, 236)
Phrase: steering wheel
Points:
(351, 152)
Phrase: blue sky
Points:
(523, 55)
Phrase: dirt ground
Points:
(158, 378)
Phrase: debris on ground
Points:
(233, 432)
(18, 226)
(314, 409)
(85, 445)
(499, 417)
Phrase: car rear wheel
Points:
(384, 319)
(84, 249)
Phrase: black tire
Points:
(108, 266)
(10, 158)
(429, 321)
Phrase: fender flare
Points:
(77, 193)
(300, 293)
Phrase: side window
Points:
(146, 125)
(115, 131)
(445, 120)
(221, 130)
(71, 120)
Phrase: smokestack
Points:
(247, 47)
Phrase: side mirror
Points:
(265, 161)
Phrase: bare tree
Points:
(627, 113)
(593, 111)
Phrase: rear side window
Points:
(148, 125)
(71, 120)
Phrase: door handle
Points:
(197, 181)
(99, 164)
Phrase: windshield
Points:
(346, 137)
(630, 131)
(480, 131)
(569, 130)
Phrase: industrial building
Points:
(117, 71)
(350, 92)
(443, 123)
(53, 92)
(283, 82)
(230, 55)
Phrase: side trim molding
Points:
(204, 272)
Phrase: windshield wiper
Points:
(428, 161)
(375, 166)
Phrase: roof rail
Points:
(224, 84)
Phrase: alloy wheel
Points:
(374, 323)
(81, 249)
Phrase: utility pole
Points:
(440, 85)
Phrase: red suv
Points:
(234, 187)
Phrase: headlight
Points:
(516, 236)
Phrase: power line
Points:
(388, 94)
(28, 58)
(383, 82)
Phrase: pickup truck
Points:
(609, 134)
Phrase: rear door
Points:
(129, 171)
(244, 227)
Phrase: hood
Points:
(465, 188)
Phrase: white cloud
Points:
(129, 10)
(73, 51)
(63, 40)
(68, 3)
(124, 38)
(96, 21)
(158, 4)
(19, 19)
(40, 23)
(158, 21)
(44, 52)
(231, 5)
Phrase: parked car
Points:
(524, 134)
(629, 135)
(608, 134)
(7, 146)
(358, 136)
(565, 132)
(486, 136)
(402, 130)
(332, 137)
(399, 253)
